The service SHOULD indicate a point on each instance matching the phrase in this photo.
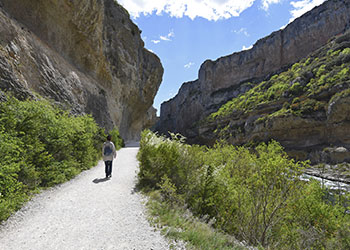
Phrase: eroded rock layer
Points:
(221, 80)
(86, 55)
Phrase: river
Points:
(331, 184)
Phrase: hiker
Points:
(108, 152)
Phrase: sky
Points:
(183, 34)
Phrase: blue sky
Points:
(183, 34)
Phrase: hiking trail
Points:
(88, 212)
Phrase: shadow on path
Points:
(135, 190)
(132, 144)
(98, 180)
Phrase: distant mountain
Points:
(85, 55)
(292, 86)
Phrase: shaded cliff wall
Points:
(223, 79)
(86, 55)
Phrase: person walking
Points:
(109, 153)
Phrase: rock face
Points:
(306, 108)
(318, 137)
(86, 55)
(225, 78)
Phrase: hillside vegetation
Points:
(306, 87)
(255, 194)
(40, 146)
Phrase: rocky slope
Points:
(228, 77)
(86, 55)
(305, 108)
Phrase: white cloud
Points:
(208, 9)
(164, 38)
(167, 37)
(171, 34)
(155, 41)
(303, 6)
(188, 65)
(242, 31)
(266, 3)
(247, 48)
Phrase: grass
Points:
(178, 224)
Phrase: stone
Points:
(338, 110)
(85, 55)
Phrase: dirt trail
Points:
(88, 212)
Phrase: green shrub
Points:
(41, 146)
(296, 89)
(161, 157)
(252, 190)
(116, 138)
(342, 94)
(312, 222)
(254, 194)
(346, 51)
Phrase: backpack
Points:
(107, 150)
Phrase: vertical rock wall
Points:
(86, 55)
(223, 79)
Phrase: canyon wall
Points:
(221, 80)
(85, 55)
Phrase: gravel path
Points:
(88, 212)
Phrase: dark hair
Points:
(109, 137)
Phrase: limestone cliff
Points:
(226, 78)
(86, 55)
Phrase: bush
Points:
(116, 138)
(42, 146)
(254, 194)
(161, 157)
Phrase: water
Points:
(333, 185)
(333, 192)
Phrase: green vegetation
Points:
(342, 94)
(116, 139)
(253, 194)
(312, 80)
(40, 146)
(176, 223)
